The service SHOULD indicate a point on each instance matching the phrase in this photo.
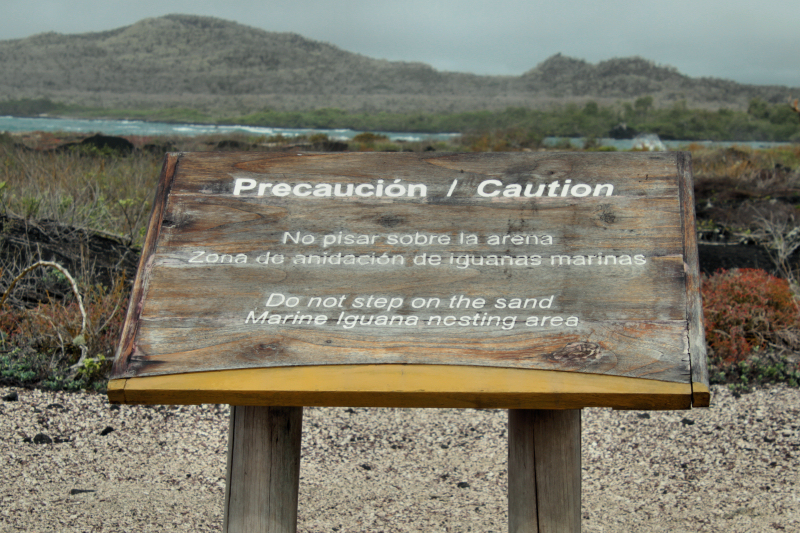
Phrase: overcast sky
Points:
(746, 41)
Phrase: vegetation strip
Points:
(762, 121)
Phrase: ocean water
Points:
(140, 127)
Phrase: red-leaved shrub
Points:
(745, 309)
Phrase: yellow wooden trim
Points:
(116, 390)
(405, 386)
(701, 395)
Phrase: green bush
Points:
(758, 369)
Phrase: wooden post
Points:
(544, 471)
(263, 469)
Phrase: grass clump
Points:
(748, 166)
(42, 346)
(81, 188)
(503, 140)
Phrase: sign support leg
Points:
(544, 471)
(263, 469)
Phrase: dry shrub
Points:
(751, 171)
(741, 173)
(47, 338)
(508, 140)
(748, 309)
(81, 188)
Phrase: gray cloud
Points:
(742, 41)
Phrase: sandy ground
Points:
(733, 467)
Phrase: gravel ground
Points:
(73, 463)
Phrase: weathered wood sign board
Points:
(514, 280)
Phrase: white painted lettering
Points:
(243, 184)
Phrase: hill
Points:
(224, 67)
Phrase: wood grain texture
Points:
(263, 473)
(206, 281)
(523, 512)
(557, 452)
(697, 339)
(544, 471)
(406, 386)
(131, 324)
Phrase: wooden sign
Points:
(513, 280)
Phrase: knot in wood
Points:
(576, 354)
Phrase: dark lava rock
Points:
(102, 257)
(714, 257)
(463, 485)
(687, 422)
(109, 143)
(644, 415)
(159, 148)
(330, 146)
(73, 492)
(41, 438)
(106, 431)
(622, 131)
(11, 397)
(232, 144)
(116, 144)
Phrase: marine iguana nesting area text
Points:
(351, 310)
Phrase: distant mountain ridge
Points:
(218, 65)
